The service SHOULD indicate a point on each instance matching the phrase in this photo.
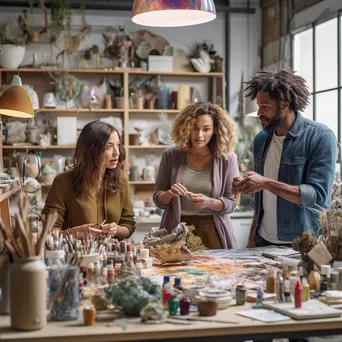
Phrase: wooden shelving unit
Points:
(142, 147)
(9, 193)
(154, 111)
(5, 205)
(116, 71)
(80, 110)
(216, 87)
(37, 147)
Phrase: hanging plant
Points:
(60, 19)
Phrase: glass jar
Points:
(64, 301)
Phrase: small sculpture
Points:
(176, 246)
(133, 293)
(304, 244)
(119, 46)
(203, 63)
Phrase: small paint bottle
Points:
(90, 272)
(325, 277)
(166, 282)
(240, 295)
(287, 292)
(104, 272)
(334, 280)
(173, 306)
(177, 285)
(305, 292)
(166, 296)
(97, 272)
(110, 272)
(184, 305)
(259, 299)
(271, 283)
(298, 295)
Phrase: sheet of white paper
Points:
(263, 315)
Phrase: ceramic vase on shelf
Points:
(28, 294)
(11, 56)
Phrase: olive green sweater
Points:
(74, 210)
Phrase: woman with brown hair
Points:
(95, 190)
(194, 182)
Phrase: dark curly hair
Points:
(282, 85)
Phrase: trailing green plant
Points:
(60, 18)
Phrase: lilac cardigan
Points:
(224, 170)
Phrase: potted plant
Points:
(12, 50)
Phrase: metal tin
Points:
(240, 295)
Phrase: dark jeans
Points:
(261, 242)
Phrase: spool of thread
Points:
(183, 96)
(144, 253)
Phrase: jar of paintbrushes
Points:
(64, 293)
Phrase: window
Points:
(316, 57)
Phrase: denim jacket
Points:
(308, 160)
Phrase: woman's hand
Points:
(178, 190)
(110, 228)
(200, 200)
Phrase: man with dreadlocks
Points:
(294, 161)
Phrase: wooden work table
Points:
(132, 330)
(232, 327)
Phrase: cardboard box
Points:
(160, 63)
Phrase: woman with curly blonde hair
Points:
(194, 182)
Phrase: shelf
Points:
(74, 71)
(122, 71)
(9, 193)
(141, 182)
(154, 111)
(142, 147)
(37, 147)
(177, 73)
(146, 220)
(80, 110)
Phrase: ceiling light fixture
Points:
(173, 13)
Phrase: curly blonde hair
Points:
(224, 138)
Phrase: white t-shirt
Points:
(268, 227)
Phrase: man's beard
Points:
(274, 122)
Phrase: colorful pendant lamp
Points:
(173, 13)
(15, 101)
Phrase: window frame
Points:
(314, 92)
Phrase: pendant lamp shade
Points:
(15, 101)
(173, 13)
